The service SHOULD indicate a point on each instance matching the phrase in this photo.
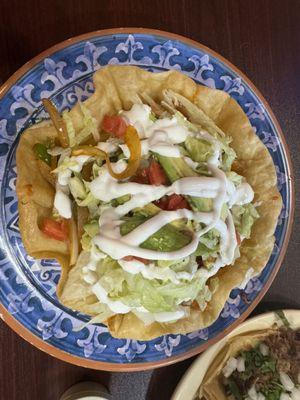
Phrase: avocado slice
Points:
(177, 168)
(168, 238)
(120, 200)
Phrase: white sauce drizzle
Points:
(161, 136)
(112, 243)
(63, 204)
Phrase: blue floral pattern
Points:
(28, 285)
(167, 344)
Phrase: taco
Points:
(261, 365)
(155, 196)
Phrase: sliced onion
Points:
(58, 122)
(133, 143)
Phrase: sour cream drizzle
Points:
(162, 137)
(116, 246)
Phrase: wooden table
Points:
(262, 38)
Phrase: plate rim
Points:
(187, 378)
(26, 334)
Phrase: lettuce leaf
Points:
(70, 128)
(243, 218)
(234, 177)
(209, 244)
(199, 149)
(228, 154)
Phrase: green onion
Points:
(41, 152)
(281, 316)
(234, 390)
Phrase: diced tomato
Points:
(162, 203)
(172, 203)
(176, 202)
(115, 125)
(238, 238)
(157, 175)
(141, 176)
(55, 229)
(130, 258)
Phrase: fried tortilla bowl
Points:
(116, 88)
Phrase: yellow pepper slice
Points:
(58, 122)
(88, 150)
(133, 143)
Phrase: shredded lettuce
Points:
(155, 295)
(66, 163)
(199, 149)
(202, 169)
(234, 177)
(85, 241)
(152, 117)
(89, 126)
(183, 121)
(186, 264)
(204, 297)
(70, 128)
(209, 244)
(173, 263)
(224, 211)
(82, 195)
(96, 168)
(91, 229)
(91, 203)
(77, 189)
(243, 218)
(228, 154)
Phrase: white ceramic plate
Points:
(191, 381)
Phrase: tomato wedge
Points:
(130, 258)
(55, 229)
(114, 125)
(157, 175)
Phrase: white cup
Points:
(86, 391)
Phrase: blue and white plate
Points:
(27, 286)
